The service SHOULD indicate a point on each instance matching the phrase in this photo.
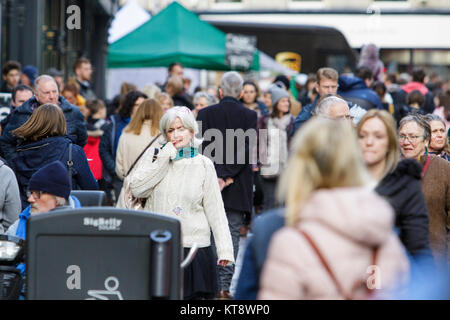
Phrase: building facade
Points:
(49, 33)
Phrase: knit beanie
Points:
(52, 178)
(276, 93)
(31, 72)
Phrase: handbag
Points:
(130, 201)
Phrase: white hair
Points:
(203, 94)
(187, 119)
(322, 109)
(44, 78)
(60, 201)
(231, 84)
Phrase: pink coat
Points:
(346, 224)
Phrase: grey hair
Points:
(60, 201)
(434, 117)
(322, 109)
(231, 84)
(206, 95)
(187, 119)
(421, 122)
(44, 78)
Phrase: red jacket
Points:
(91, 150)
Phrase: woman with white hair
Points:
(201, 100)
(183, 184)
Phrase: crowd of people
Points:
(326, 179)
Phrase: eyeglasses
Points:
(411, 139)
(36, 194)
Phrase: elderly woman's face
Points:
(411, 138)
(201, 103)
(438, 139)
(178, 134)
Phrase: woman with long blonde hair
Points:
(336, 226)
(142, 129)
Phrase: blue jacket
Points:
(304, 115)
(19, 229)
(32, 156)
(263, 228)
(76, 126)
(354, 89)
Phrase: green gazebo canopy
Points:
(173, 35)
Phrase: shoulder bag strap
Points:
(426, 165)
(70, 164)
(324, 263)
(142, 153)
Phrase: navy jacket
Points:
(354, 89)
(304, 115)
(229, 113)
(403, 190)
(263, 228)
(32, 156)
(76, 126)
(107, 148)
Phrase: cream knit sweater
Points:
(187, 190)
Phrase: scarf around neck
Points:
(186, 152)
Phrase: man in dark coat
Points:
(236, 126)
(46, 92)
(356, 89)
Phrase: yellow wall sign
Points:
(290, 59)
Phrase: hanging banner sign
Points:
(240, 50)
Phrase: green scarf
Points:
(186, 152)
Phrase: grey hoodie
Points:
(10, 205)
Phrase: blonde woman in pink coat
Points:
(338, 242)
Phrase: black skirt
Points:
(200, 276)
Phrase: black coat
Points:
(229, 113)
(403, 190)
(181, 99)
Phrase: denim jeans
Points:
(225, 274)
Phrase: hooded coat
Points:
(370, 58)
(354, 89)
(346, 224)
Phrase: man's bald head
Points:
(46, 89)
(332, 107)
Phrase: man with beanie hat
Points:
(49, 189)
